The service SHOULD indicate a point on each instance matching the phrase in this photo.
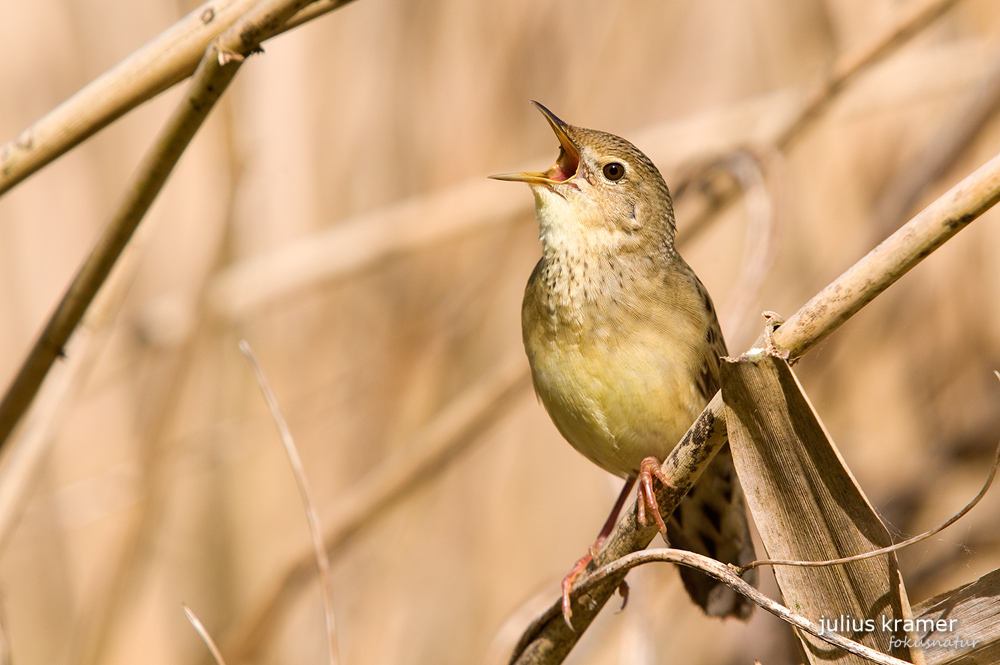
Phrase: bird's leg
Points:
(584, 561)
(648, 469)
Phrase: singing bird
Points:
(624, 344)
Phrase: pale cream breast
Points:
(616, 372)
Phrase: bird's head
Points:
(601, 191)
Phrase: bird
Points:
(624, 346)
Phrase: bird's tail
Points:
(712, 520)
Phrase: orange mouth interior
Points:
(566, 165)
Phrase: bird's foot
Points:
(567, 583)
(584, 561)
(578, 568)
(649, 469)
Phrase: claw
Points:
(623, 592)
(567, 585)
(567, 611)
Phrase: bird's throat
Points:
(581, 274)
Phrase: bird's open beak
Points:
(566, 164)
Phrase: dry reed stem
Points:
(550, 640)
(914, 18)
(205, 636)
(310, 12)
(940, 153)
(763, 193)
(727, 576)
(110, 608)
(456, 428)
(150, 177)
(218, 66)
(155, 461)
(845, 70)
(169, 58)
(21, 463)
(321, 559)
(358, 242)
(890, 260)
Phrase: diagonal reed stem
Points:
(216, 70)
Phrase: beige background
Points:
(166, 482)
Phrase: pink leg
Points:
(584, 561)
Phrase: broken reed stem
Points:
(548, 639)
(168, 59)
(216, 70)
(321, 559)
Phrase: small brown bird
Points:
(624, 344)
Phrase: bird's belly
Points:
(615, 403)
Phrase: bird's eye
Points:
(614, 171)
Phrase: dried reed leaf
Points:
(807, 506)
(971, 632)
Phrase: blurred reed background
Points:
(334, 212)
